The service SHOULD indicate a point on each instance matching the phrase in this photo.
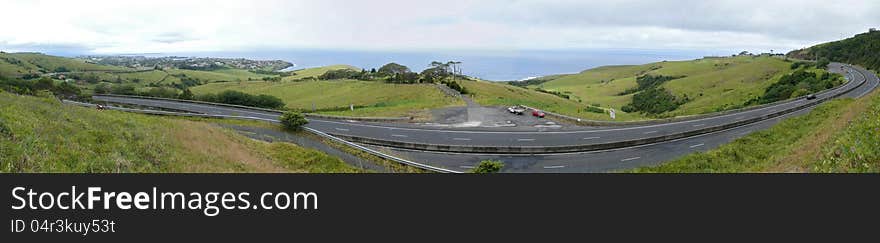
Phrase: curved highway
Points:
(451, 138)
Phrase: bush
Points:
(293, 121)
(488, 166)
(823, 63)
(653, 101)
(802, 81)
(124, 89)
(186, 95)
(594, 109)
(648, 81)
(102, 88)
(342, 74)
(5, 131)
(240, 98)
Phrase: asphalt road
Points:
(489, 137)
(595, 161)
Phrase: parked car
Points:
(811, 96)
(539, 114)
(519, 110)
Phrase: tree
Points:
(823, 63)
(102, 88)
(124, 89)
(488, 166)
(67, 90)
(44, 84)
(293, 121)
(393, 68)
(186, 95)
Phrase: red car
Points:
(538, 113)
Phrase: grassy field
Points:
(334, 97)
(315, 72)
(218, 75)
(42, 135)
(17, 64)
(838, 136)
(712, 83)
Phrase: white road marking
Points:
(590, 138)
(650, 132)
(466, 167)
(697, 145)
(341, 129)
(554, 167)
(525, 139)
(633, 158)
(462, 139)
(398, 135)
(699, 125)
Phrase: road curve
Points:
(528, 141)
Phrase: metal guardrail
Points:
(313, 131)
(380, 154)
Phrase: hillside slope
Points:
(19, 64)
(838, 136)
(42, 135)
(861, 49)
(710, 84)
(371, 98)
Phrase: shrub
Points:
(594, 109)
(124, 89)
(102, 88)
(186, 95)
(293, 121)
(488, 166)
(653, 101)
(823, 63)
(5, 131)
(240, 98)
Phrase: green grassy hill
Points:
(42, 135)
(711, 84)
(373, 98)
(315, 72)
(18, 64)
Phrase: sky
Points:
(176, 26)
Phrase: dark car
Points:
(538, 113)
(811, 96)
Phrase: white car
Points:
(519, 110)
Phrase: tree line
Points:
(650, 98)
(438, 72)
(861, 49)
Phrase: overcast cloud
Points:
(411, 25)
